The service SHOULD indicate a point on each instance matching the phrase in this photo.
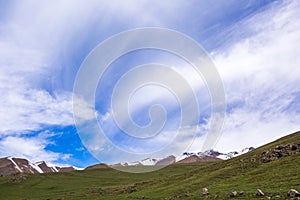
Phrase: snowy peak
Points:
(145, 162)
(149, 161)
(11, 166)
(46, 168)
(210, 155)
(195, 158)
(16, 165)
(187, 157)
(225, 156)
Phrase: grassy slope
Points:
(244, 173)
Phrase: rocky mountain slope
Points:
(12, 166)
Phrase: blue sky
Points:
(253, 44)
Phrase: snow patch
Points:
(149, 161)
(78, 168)
(37, 168)
(16, 166)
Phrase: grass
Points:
(180, 181)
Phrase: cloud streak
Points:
(261, 76)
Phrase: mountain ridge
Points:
(209, 155)
(11, 166)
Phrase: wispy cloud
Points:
(32, 148)
(260, 73)
(261, 76)
(37, 48)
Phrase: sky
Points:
(254, 45)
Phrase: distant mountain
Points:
(195, 158)
(166, 161)
(224, 156)
(145, 162)
(11, 166)
(187, 157)
(98, 166)
(149, 161)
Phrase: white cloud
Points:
(246, 129)
(24, 109)
(261, 76)
(31, 148)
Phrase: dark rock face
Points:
(166, 161)
(251, 148)
(211, 153)
(24, 165)
(195, 158)
(45, 168)
(65, 169)
(11, 166)
(7, 167)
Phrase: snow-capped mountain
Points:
(188, 157)
(212, 154)
(149, 161)
(145, 162)
(225, 156)
(11, 166)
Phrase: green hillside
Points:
(274, 168)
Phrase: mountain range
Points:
(11, 165)
(187, 157)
